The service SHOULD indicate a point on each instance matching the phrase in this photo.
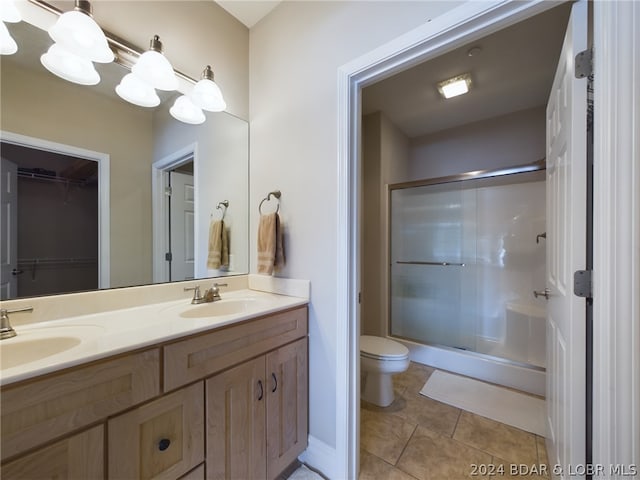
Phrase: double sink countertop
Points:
(45, 347)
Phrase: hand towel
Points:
(218, 245)
(270, 244)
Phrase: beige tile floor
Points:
(419, 438)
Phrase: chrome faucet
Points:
(214, 292)
(6, 330)
(210, 295)
(197, 296)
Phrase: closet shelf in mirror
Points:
(50, 176)
(43, 262)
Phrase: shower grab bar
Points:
(442, 264)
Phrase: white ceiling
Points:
(513, 72)
(248, 12)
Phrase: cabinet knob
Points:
(163, 444)
(275, 383)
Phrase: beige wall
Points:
(517, 138)
(384, 161)
(295, 53)
(120, 130)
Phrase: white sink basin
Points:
(31, 350)
(31, 345)
(231, 306)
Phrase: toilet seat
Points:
(379, 348)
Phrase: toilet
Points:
(379, 359)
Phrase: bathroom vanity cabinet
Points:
(229, 402)
(257, 415)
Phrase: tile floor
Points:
(419, 438)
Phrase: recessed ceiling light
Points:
(455, 86)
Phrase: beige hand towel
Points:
(218, 245)
(270, 244)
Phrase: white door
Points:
(9, 230)
(182, 234)
(566, 253)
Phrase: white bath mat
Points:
(506, 406)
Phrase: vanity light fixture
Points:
(206, 94)
(9, 12)
(8, 45)
(69, 67)
(138, 92)
(185, 111)
(154, 68)
(78, 33)
(455, 86)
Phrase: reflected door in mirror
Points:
(181, 208)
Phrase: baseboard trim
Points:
(320, 457)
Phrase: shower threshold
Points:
(501, 371)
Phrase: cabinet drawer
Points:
(163, 439)
(202, 356)
(81, 456)
(38, 411)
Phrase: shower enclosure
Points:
(466, 254)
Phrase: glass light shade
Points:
(135, 91)
(70, 67)
(79, 34)
(207, 95)
(455, 86)
(184, 110)
(9, 12)
(8, 45)
(154, 68)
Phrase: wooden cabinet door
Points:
(287, 394)
(163, 439)
(235, 408)
(80, 456)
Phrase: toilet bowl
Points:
(379, 359)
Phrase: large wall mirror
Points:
(108, 194)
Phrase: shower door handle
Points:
(544, 294)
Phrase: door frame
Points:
(616, 242)
(104, 217)
(160, 206)
(465, 23)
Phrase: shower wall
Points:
(465, 259)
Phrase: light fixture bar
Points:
(124, 49)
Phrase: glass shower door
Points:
(432, 284)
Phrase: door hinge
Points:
(584, 63)
(168, 256)
(359, 297)
(582, 283)
(168, 191)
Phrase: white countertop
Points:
(76, 340)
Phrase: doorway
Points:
(465, 23)
(55, 235)
(174, 220)
(458, 259)
(181, 222)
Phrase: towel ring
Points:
(225, 204)
(275, 193)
